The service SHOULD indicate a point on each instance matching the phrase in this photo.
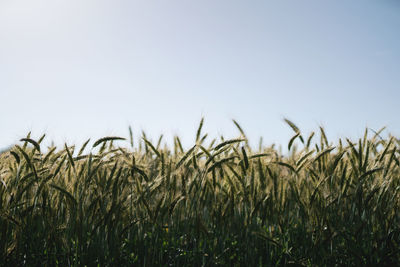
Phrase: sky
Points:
(78, 69)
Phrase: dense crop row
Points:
(216, 203)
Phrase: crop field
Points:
(136, 202)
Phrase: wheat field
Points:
(133, 202)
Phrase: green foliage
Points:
(214, 204)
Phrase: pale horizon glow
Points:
(87, 69)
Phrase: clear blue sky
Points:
(78, 69)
